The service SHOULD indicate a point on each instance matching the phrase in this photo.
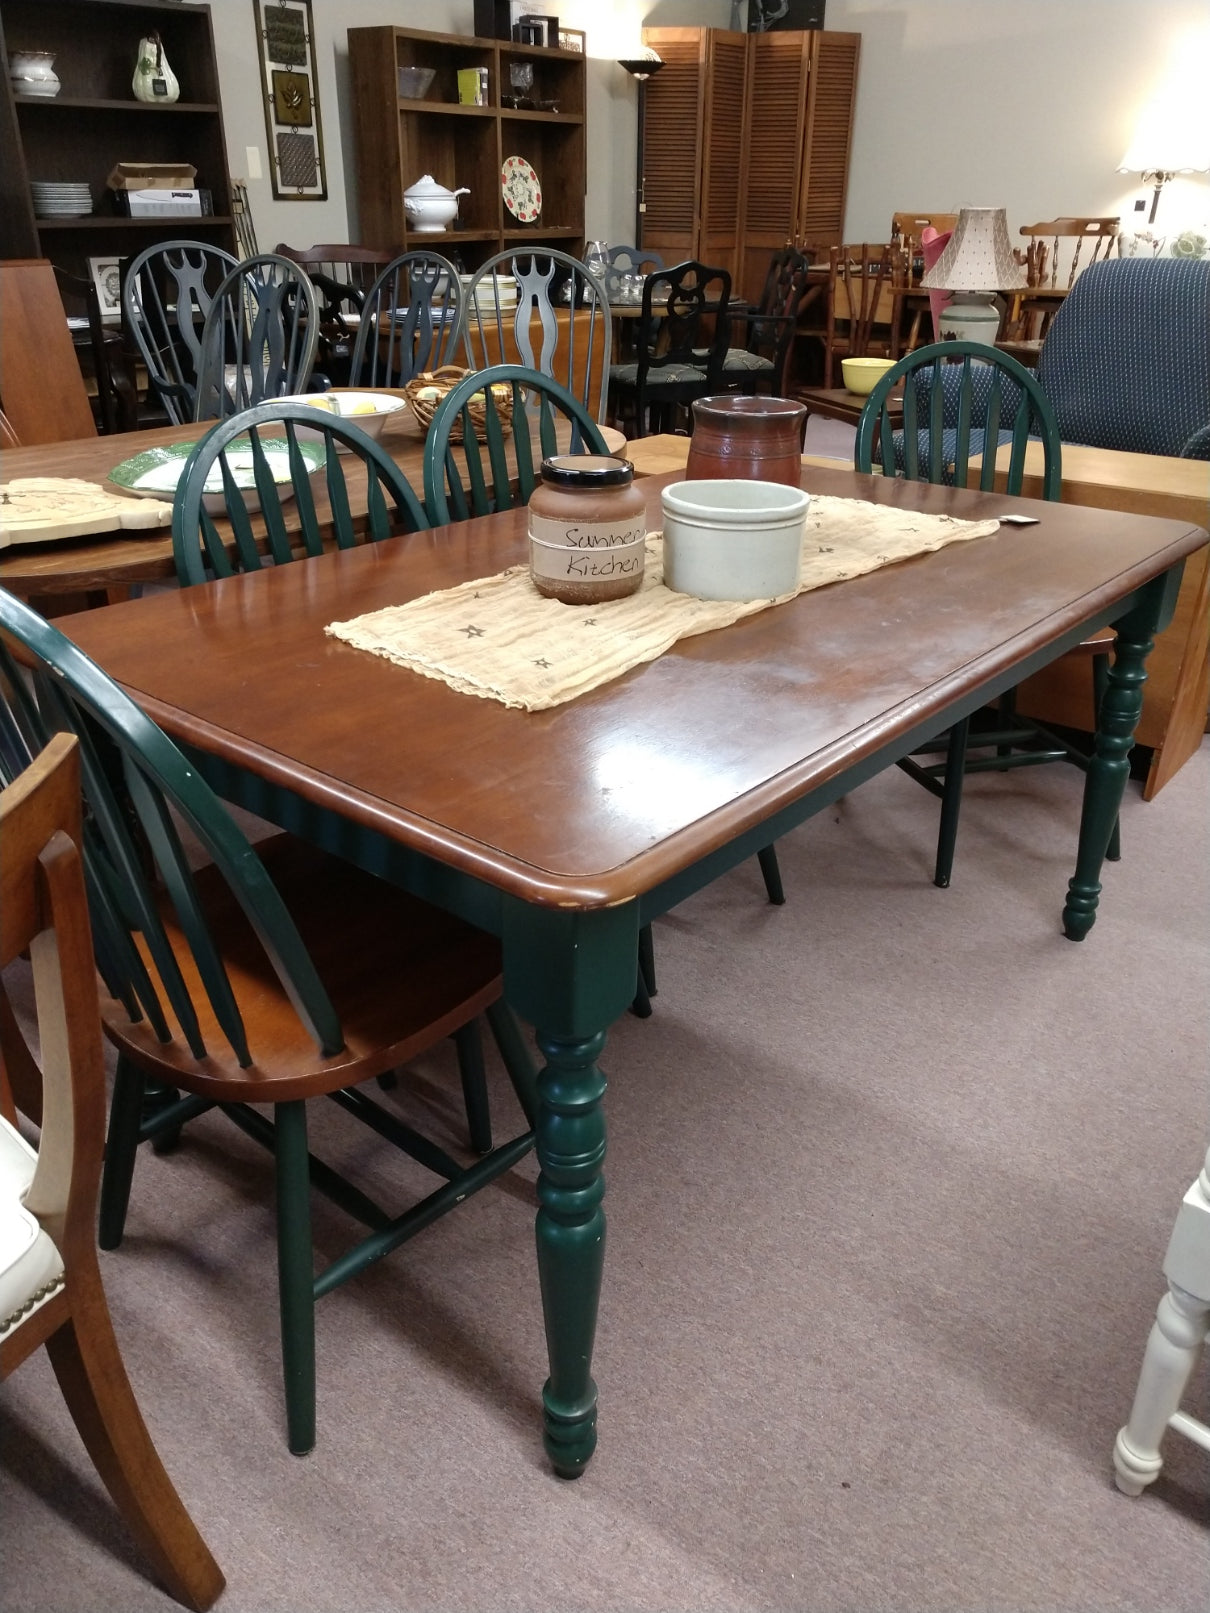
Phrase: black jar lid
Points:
(586, 471)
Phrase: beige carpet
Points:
(891, 1175)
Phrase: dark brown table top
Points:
(119, 559)
(600, 800)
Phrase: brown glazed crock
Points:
(753, 439)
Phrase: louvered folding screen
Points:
(776, 118)
(723, 171)
(673, 142)
(746, 141)
(825, 174)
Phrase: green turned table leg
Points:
(570, 1233)
(1110, 766)
(571, 975)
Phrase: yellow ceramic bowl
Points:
(863, 374)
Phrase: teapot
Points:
(430, 206)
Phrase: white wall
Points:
(1022, 104)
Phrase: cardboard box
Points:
(151, 176)
(157, 203)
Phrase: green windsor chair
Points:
(270, 975)
(962, 401)
(479, 408)
(294, 523)
(497, 486)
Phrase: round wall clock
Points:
(522, 192)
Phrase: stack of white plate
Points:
(61, 198)
(487, 298)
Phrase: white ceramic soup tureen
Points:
(430, 206)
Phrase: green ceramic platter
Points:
(155, 472)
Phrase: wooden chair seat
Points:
(358, 931)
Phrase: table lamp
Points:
(1172, 137)
(977, 262)
(641, 68)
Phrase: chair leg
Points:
(474, 1086)
(951, 802)
(645, 988)
(1172, 1353)
(92, 1376)
(121, 1147)
(295, 1275)
(771, 869)
(1100, 686)
(647, 960)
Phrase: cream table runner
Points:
(498, 638)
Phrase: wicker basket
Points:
(425, 393)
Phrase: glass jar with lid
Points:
(587, 529)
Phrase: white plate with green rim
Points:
(156, 471)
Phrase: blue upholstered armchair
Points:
(1126, 362)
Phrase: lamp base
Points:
(969, 322)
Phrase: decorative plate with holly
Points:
(522, 192)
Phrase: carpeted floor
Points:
(891, 1175)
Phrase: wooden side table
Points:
(838, 403)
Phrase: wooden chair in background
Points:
(763, 333)
(906, 229)
(1049, 269)
(115, 404)
(42, 389)
(50, 1281)
(260, 337)
(867, 286)
(341, 275)
(167, 291)
(410, 321)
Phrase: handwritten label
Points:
(587, 534)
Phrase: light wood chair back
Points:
(41, 386)
(48, 1199)
(906, 228)
(866, 289)
(1041, 258)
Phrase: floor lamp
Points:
(641, 68)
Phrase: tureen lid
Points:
(426, 185)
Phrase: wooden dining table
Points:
(68, 571)
(565, 831)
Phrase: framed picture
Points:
(107, 277)
(571, 39)
(285, 37)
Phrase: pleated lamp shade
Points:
(978, 256)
